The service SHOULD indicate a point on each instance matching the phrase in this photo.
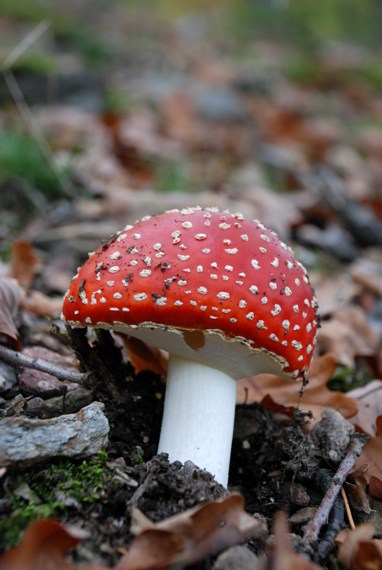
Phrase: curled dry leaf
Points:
(358, 550)
(41, 305)
(369, 400)
(316, 397)
(347, 335)
(11, 295)
(25, 263)
(372, 457)
(356, 487)
(283, 556)
(145, 357)
(190, 536)
(44, 546)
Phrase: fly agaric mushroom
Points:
(222, 295)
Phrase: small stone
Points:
(26, 441)
(236, 558)
(332, 435)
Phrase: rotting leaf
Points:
(282, 556)
(39, 304)
(316, 396)
(144, 357)
(44, 546)
(11, 295)
(25, 263)
(347, 335)
(369, 400)
(190, 536)
(372, 455)
(358, 550)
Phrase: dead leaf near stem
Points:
(11, 295)
(282, 556)
(358, 550)
(372, 457)
(24, 263)
(316, 396)
(44, 547)
(190, 536)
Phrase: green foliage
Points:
(79, 481)
(36, 62)
(21, 157)
(28, 11)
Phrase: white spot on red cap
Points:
(140, 297)
(145, 273)
(223, 295)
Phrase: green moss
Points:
(51, 490)
(348, 378)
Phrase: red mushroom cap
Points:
(223, 289)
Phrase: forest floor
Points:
(166, 114)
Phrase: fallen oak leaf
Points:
(282, 556)
(24, 263)
(143, 356)
(43, 547)
(372, 455)
(11, 295)
(358, 550)
(190, 536)
(316, 396)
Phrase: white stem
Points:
(198, 416)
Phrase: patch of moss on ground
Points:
(52, 492)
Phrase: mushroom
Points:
(222, 295)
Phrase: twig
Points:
(312, 529)
(19, 359)
(348, 509)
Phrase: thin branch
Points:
(12, 357)
(312, 529)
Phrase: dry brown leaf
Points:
(372, 454)
(41, 305)
(358, 550)
(316, 397)
(356, 487)
(24, 264)
(369, 400)
(144, 357)
(347, 335)
(44, 546)
(190, 536)
(11, 295)
(283, 556)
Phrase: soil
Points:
(274, 464)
